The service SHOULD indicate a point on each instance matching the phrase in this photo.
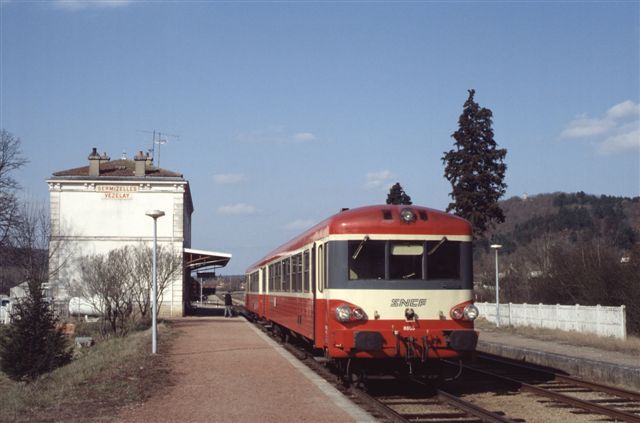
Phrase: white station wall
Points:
(94, 218)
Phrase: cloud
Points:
(627, 140)
(379, 179)
(90, 4)
(303, 137)
(617, 131)
(277, 135)
(239, 209)
(583, 126)
(623, 110)
(299, 224)
(229, 178)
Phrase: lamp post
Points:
(497, 247)
(154, 214)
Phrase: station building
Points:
(102, 206)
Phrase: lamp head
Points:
(496, 246)
(155, 213)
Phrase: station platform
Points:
(226, 370)
(229, 371)
(608, 367)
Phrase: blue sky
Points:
(288, 111)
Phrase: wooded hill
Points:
(565, 248)
(573, 216)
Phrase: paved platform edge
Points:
(356, 413)
(599, 371)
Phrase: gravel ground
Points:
(226, 373)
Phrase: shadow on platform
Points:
(205, 310)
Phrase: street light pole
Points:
(497, 247)
(154, 214)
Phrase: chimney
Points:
(149, 160)
(141, 161)
(94, 163)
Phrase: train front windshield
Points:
(429, 264)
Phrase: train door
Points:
(263, 292)
(312, 288)
(320, 304)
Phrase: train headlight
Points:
(471, 312)
(464, 311)
(343, 313)
(358, 314)
(457, 313)
(407, 215)
(347, 313)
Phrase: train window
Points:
(271, 278)
(254, 282)
(320, 267)
(405, 260)
(305, 271)
(443, 259)
(296, 273)
(277, 277)
(366, 259)
(286, 275)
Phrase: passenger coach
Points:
(371, 285)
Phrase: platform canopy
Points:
(199, 259)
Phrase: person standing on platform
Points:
(228, 304)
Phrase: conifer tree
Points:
(32, 345)
(397, 195)
(476, 169)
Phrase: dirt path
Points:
(225, 372)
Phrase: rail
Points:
(556, 396)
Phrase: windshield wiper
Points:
(435, 247)
(357, 252)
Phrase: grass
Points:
(629, 346)
(113, 373)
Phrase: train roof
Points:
(377, 219)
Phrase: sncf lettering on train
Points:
(408, 302)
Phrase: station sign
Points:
(116, 192)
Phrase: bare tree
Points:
(119, 283)
(104, 286)
(169, 266)
(10, 160)
(30, 241)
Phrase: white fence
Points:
(4, 315)
(602, 321)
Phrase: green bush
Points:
(32, 345)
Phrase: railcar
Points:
(374, 287)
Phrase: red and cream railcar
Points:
(379, 282)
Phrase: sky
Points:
(281, 113)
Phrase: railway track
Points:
(593, 398)
(417, 402)
(412, 400)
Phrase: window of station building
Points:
(366, 259)
(305, 270)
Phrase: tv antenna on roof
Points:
(159, 138)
